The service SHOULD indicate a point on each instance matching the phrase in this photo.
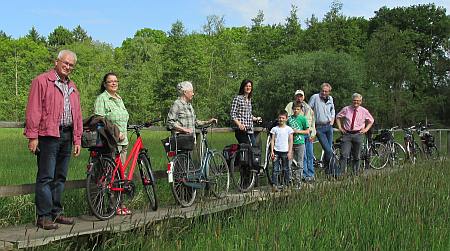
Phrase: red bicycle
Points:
(106, 179)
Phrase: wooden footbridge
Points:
(25, 236)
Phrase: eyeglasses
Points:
(67, 64)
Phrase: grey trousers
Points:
(297, 170)
(351, 143)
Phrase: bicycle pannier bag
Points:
(176, 142)
(229, 150)
(245, 153)
(256, 157)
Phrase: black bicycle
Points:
(412, 148)
(397, 154)
(429, 147)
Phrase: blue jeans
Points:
(325, 136)
(280, 163)
(308, 161)
(53, 164)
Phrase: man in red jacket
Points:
(53, 122)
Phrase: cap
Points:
(299, 92)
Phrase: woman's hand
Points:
(121, 137)
(242, 127)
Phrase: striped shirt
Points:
(113, 109)
(63, 86)
(241, 110)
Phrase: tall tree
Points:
(60, 36)
(34, 35)
(214, 25)
(80, 35)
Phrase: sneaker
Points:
(123, 211)
(275, 188)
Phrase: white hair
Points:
(184, 86)
(69, 52)
(325, 85)
(356, 95)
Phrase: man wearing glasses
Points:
(323, 107)
(353, 122)
(53, 123)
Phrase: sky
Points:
(113, 21)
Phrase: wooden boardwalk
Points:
(28, 235)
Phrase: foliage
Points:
(307, 72)
(399, 55)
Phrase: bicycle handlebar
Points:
(393, 128)
(145, 124)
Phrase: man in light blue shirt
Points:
(323, 106)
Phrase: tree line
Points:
(398, 60)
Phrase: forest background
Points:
(399, 60)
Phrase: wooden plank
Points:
(15, 190)
(28, 235)
(9, 124)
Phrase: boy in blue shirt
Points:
(300, 127)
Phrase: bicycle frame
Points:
(195, 179)
(137, 147)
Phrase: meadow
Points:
(408, 209)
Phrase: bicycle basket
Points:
(90, 139)
(384, 136)
(176, 142)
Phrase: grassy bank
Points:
(405, 210)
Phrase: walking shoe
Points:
(46, 224)
(123, 211)
(64, 220)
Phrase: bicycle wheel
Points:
(218, 175)
(418, 152)
(333, 165)
(398, 155)
(243, 178)
(101, 200)
(183, 194)
(148, 180)
(432, 153)
(379, 156)
(268, 168)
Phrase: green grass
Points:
(18, 166)
(404, 210)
